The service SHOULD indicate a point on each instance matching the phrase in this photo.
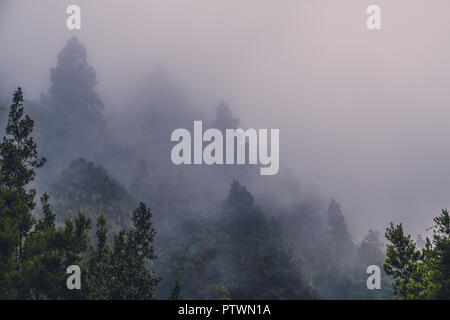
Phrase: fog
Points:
(362, 114)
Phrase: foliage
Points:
(175, 292)
(120, 272)
(239, 255)
(420, 273)
(34, 253)
(70, 116)
(87, 187)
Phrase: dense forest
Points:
(140, 227)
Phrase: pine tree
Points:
(370, 250)
(48, 221)
(224, 118)
(18, 159)
(340, 241)
(402, 260)
(18, 151)
(34, 254)
(99, 264)
(73, 83)
(175, 292)
(74, 111)
(120, 272)
(261, 265)
(440, 258)
(88, 187)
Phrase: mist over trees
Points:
(86, 187)
(211, 233)
(74, 110)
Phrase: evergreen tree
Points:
(175, 292)
(72, 90)
(370, 251)
(340, 241)
(440, 256)
(241, 254)
(121, 272)
(48, 221)
(18, 151)
(18, 159)
(224, 118)
(402, 260)
(87, 187)
(34, 254)
(99, 264)
(72, 113)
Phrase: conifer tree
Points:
(440, 258)
(120, 272)
(175, 292)
(34, 254)
(401, 259)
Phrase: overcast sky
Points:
(363, 115)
